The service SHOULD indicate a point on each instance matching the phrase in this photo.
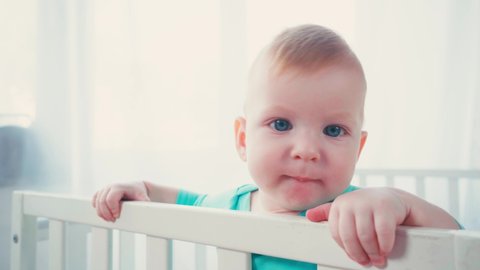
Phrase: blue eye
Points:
(281, 125)
(333, 131)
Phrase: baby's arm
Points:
(425, 214)
(363, 222)
(107, 201)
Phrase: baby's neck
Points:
(259, 203)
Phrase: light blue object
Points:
(239, 199)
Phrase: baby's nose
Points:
(306, 153)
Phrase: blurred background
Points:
(97, 92)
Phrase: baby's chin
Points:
(302, 205)
(303, 196)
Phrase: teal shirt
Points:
(239, 199)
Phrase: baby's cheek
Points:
(340, 174)
(263, 163)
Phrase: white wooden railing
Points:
(236, 234)
(79, 239)
(450, 180)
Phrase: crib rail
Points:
(235, 234)
(451, 180)
(419, 175)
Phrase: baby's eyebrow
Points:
(276, 109)
(345, 118)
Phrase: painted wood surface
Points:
(237, 233)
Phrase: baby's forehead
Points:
(268, 67)
(296, 56)
(265, 74)
(333, 84)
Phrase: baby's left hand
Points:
(364, 222)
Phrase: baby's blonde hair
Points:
(308, 48)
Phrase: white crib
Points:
(78, 239)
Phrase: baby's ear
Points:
(363, 139)
(240, 135)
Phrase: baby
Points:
(301, 136)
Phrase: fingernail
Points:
(378, 261)
(364, 263)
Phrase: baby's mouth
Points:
(304, 179)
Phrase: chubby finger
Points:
(106, 214)
(112, 201)
(368, 238)
(348, 234)
(98, 203)
(94, 200)
(333, 225)
(385, 228)
(319, 213)
(98, 196)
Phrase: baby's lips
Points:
(304, 179)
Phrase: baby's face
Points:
(302, 135)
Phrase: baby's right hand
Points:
(107, 201)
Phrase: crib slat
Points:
(390, 180)
(76, 246)
(127, 250)
(362, 180)
(453, 200)
(100, 249)
(420, 186)
(200, 257)
(234, 260)
(23, 236)
(158, 253)
(56, 245)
